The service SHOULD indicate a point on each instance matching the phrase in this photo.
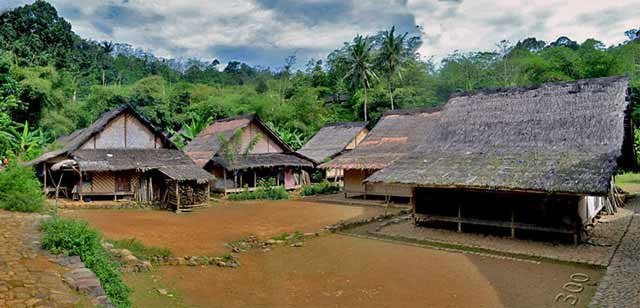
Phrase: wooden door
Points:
(123, 182)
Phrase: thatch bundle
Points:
(331, 140)
(560, 137)
(395, 135)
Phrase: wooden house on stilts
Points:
(122, 155)
(242, 150)
(396, 134)
(332, 140)
(533, 159)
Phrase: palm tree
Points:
(392, 55)
(359, 61)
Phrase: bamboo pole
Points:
(177, 197)
(45, 178)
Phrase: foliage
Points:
(322, 188)
(141, 251)
(75, 237)
(265, 190)
(231, 147)
(20, 189)
(58, 82)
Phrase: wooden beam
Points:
(44, 166)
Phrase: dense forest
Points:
(52, 81)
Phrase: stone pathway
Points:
(27, 277)
(619, 287)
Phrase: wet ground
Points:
(205, 232)
(332, 270)
(344, 271)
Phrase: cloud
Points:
(264, 32)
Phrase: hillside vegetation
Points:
(52, 81)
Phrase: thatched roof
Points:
(207, 144)
(397, 133)
(331, 140)
(558, 137)
(76, 139)
(173, 163)
(265, 160)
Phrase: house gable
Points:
(125, 131)
(266, 142)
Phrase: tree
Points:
(392, 55)
(359, 61)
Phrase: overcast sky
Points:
(264, 32)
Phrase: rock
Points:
(162, 291)
(297, 244)
(130, 259)
(107, 245)
(271, 242)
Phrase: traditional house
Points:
(122, 155)
(540, 158)
(397, 133)
(240, 151)
(332, 140)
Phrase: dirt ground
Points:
(205, 232)
(343, 271)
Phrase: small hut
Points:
(540, 158)
(122, 155)
(261, 154)
(332, 140)
(397, 133)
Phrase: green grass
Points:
(288, 236)
(628, 181)
(141, 251)
(74, 237)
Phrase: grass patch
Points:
(288, 236)
(264, 191)
(74, 237)
(628, 178)
(141, 251)
(322, 188)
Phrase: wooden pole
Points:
(459, 218)
(254, 178)
(513, 228)
(80, 187)
(224, 172)
(177, 197)
(44, 166)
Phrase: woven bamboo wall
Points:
(103, 182)
(353, 180)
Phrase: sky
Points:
(264, 32)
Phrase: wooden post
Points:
(224, 176)
(255, 179)
(44, 166)
(413, 204)
(513, 228)
(459, 218)
(177, 198)
(81, 186)
(241, 176)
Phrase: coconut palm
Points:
(392, 55)
(359, 61)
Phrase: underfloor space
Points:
(597, 249)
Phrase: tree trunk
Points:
(390, 92)
(365, 103)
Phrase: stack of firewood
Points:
(191, 195)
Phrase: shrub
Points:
(20, 189)
(75, 237)
(140, 250)
(264, 191)
(321, 188)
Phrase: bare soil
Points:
(343, 271)
(205, 232)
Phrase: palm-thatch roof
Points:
(69, 143)
(206, 147)
(331, 140)
(560, 137)
(170, 161)
(263, 160)
(397, 133)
